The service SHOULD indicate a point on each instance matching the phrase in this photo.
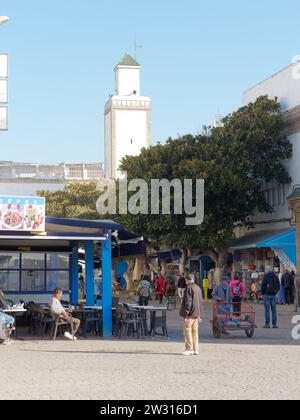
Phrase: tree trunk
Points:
(184, 259)
(140, 267)
(222, 263)
(220, 256)
(129, 275)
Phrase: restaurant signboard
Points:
(26, 214)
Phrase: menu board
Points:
(173, 272)
(22, 214)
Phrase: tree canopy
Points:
(76, 200)
(234, 159)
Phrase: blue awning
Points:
(284, 239)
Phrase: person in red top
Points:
(159, 287)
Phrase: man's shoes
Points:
(189, 353)
(275, 327)
(266, 327)
(68, 336)
(196, 353)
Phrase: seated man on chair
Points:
(57, 310)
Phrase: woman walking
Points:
(159, 288)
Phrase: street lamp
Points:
(3, 20)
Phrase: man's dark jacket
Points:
(270, 285)
(192, 302)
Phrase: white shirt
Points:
(56, 307)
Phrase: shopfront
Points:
(254, 252)
(33, 264)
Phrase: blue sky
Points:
(198, 57)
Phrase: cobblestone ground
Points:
(265, 367)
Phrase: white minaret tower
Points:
(128, 117)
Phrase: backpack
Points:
(237, 290)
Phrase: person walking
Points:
(159, 288)
(287, 282)
(144, 291)
(237, 292)
(181, 286)
(270, 287)
(192, 313)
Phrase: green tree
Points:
(234, 160)
(76, 200)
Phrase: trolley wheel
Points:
(217, 329)
(249, 331)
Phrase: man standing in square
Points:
(192, 314)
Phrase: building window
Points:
(10, 281)
(34, 272)
(32, 281)
(10, 261)
(57, 279)
(33, 261)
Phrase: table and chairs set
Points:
(41, 323)
(129, 320)
(140, 321)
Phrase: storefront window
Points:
(34, 272)
(58, 261)
(9, 261)
(57, 279)
(10, 281)
(33, 281)
(33, 261)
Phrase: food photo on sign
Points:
(22, 214)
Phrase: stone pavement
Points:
(265, 367)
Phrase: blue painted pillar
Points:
(89, 274)
(107, 288)
(74, 276)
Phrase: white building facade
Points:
(25, 179)
(285, 85)
(273, 241)
(128, 117)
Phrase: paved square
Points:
(265, 367)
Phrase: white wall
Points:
(286, 87)
(24, 188)
(127, 81)
(108, 145)
(283, 84)
(131, 133)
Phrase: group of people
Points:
(233, 291)
(160, 287)
(287, 291)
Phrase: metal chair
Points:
(59, 322)
(159, 322)
(130, 322)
